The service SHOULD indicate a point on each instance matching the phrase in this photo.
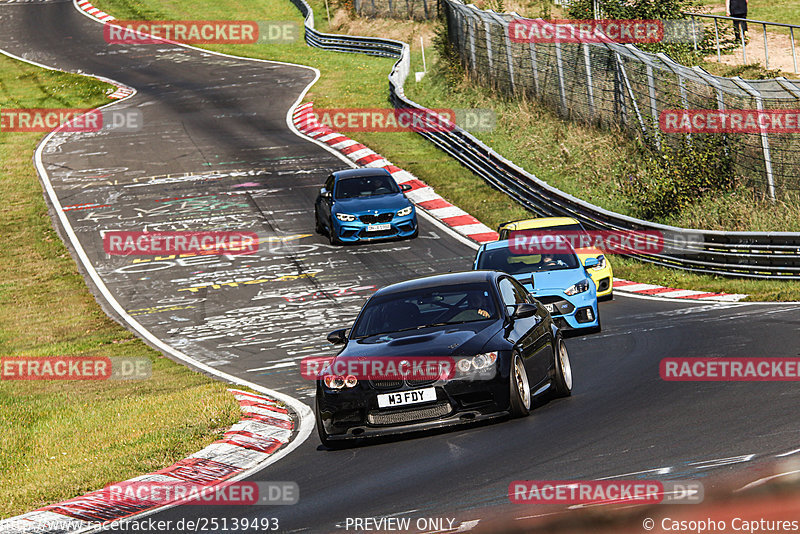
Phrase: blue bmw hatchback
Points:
(558, 280)
(364, 205)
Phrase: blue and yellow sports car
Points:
(558, 280)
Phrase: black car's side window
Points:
(510, 295)
(329, 183)
(521, 294)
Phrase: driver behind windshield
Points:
(477, 308)
(550, 260)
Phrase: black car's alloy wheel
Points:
(323, 436)
(520, 389)
(562, 381)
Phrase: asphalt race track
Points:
(215, 152)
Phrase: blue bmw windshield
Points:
(420, 308)
(366, 186)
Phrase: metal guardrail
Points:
(771, 255)
(763, 24)
(345, 43)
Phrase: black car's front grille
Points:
(407, 416)
(415, 383)
(375, 219)
(392, 384)
(386, 384)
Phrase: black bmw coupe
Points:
(438, 351)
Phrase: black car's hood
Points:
(465, 339)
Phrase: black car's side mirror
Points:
(324, 193)
(405, 187)
(338, 337)
(524, 310)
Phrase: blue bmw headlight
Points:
(405, 211)
(345, 217)
(579, 287)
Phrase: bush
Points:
(679, 174)
(632, 9)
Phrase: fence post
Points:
(764, 138)
(509, 57)
(651, 84)
(651, 92)
(630, 94)
(488, 33)
(589, 84)
(619, 95)
(560, 66)
(535, 67)
(471, 25)
(744, 48)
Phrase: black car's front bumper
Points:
(354, 413)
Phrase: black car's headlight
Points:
(579, 287)
(345, 217)
(339, 381)
(405, 211)
(478, 362)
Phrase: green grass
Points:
(578, 159)
(60, 439)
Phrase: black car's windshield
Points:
(503, 259)
(426, 307)
(366, 186)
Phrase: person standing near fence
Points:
(738, 9)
